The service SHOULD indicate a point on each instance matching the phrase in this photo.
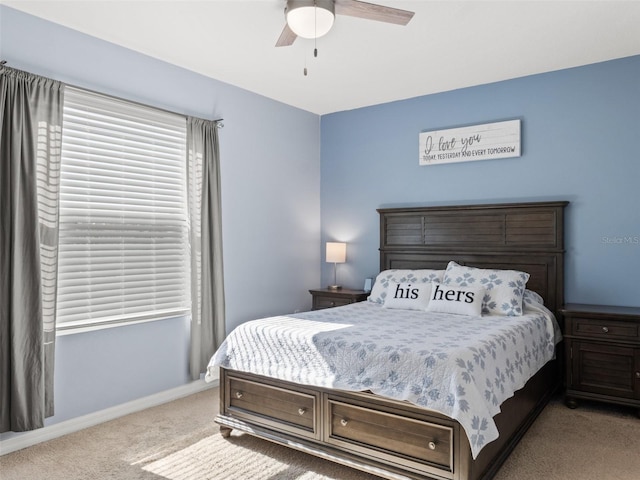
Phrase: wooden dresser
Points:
(602, 348)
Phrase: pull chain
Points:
(315, 37)
(315, 26)
(305, 63)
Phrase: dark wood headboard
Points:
(519, 236)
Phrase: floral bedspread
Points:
(460, 366)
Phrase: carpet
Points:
(178, 441)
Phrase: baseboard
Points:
(50, 432)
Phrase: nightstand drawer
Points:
(328, 298)
(328, 302)
(603, 369)
(603, 329)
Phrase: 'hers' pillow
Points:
(407, 296)
(503, 289)
(454, 299)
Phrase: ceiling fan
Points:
(314, 18)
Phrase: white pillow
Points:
(379, 291)
(532, 298)
(504, 289)
(408, 296)
(455, 299)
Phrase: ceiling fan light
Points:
(309, 18)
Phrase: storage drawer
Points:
(423, 446)
(272, 405)
(602, 329)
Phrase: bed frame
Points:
(397, 440)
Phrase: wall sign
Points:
(466, 144)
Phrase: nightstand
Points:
(327, 298)
(602, 348)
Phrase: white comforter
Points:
(461, 366)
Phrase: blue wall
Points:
(270, 191)
(580, 142)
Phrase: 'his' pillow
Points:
(407, 296)
(381, 287)
(454, 299)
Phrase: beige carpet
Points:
(178, 441)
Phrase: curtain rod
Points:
(218, 121)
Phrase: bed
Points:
(395, 428)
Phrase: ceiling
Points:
(447, 45)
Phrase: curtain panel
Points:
(30, 136)
(207, 289)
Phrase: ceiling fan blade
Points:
(370, 11)
(287, 37)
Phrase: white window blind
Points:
(123, 251)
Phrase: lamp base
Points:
(334, 287)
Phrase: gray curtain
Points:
(207, 289)
(30, 143)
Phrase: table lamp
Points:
(336, 253)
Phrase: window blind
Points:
(123, 247)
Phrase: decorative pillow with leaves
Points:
(379, 292)
(408, 296)
(504, 289)
(456, 299)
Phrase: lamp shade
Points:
(336, 252)
(310, 18)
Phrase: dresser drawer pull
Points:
(239, 394)
(638, 375)
(605, 329)
(344, 422)
(432, 445)
(302, 411)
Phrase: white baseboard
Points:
(50, 432)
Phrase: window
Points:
(123, 251)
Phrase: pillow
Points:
(379, 291)
(531, 298)
(408, 296)
(504, 289)
(456, 299)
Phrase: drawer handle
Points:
(432, 445)
(605, 329)
(239, 394)
(638, 375)
(333, 304)
(344, 422)
(302, 411)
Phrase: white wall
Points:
(270, 201)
